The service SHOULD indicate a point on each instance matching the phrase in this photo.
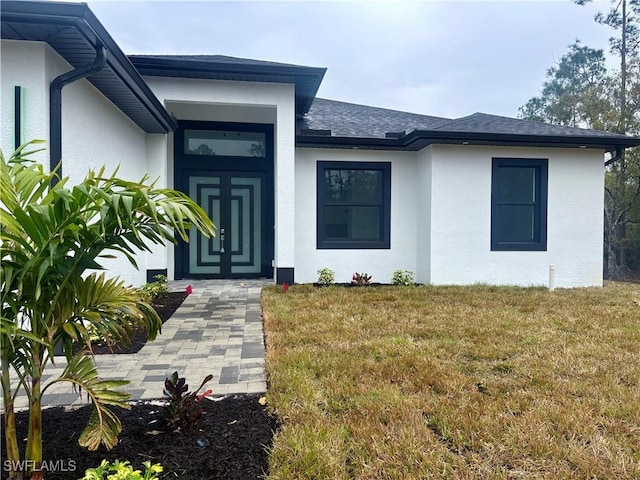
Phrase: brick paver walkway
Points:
(217, 330)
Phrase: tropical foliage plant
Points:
(122, 471)
(158, 288)
(184, 409)
(361, 279)
(53, 240)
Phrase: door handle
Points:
(222, 240)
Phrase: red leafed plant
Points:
(185, 408)
(285, 286)
(361, 279)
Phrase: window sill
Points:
(329, 245)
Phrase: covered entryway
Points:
(228, 169)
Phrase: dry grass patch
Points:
(454, 382)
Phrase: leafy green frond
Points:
(11, 333)
(52, 237)
(104, 426)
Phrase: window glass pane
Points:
(516, 223)
(517, 184)
(366, 186)
(352, 223)
(218, 142)
(353, 205)
(365, 223)
(352, 186)
(336, 223)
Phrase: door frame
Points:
(188, 164)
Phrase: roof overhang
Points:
(419, 139)
(306, 79)
(74, 32)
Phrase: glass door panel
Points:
(246, 225)
(204, 253)
(234, 203)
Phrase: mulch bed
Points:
(165, 307)
(230, 443)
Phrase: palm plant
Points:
(52, 240)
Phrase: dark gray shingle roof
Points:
(341, 124)
(483, 122)
(351, 120)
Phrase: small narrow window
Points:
(354, 205)
(224, 143)
(519, 204)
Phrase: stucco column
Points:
(157, 167)
(284, 197)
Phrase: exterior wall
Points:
(440, 197)
(441, 219)
(23, 64)
(460, 250)
(378, 263)
(270, 103)
(94, 131)
(423, 216)
(158, 168)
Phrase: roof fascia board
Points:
(15, 9)
(79, 16)
(569, 140)
(433, 137)
(150, 64)
(318, 140)
(157, 66)
(91, 27)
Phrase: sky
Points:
(442, 58)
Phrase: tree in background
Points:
(571, 89)
(579, 91)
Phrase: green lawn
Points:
(454, 382)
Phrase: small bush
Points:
(157, 289)
(122, 471)
(402, 277)
(184, 409)
(326, 276)
(361, 279)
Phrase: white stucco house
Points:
(296, 183)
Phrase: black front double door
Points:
(228, 170)
(235, 203)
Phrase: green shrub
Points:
(402, 277)
(326, 276)
(157, 289)
(122, 471)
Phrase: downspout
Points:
(615, 158)
(55, 105)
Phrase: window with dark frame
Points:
(519, 204)
(354, 205)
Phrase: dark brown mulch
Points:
(165, 307)
(231, 442)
